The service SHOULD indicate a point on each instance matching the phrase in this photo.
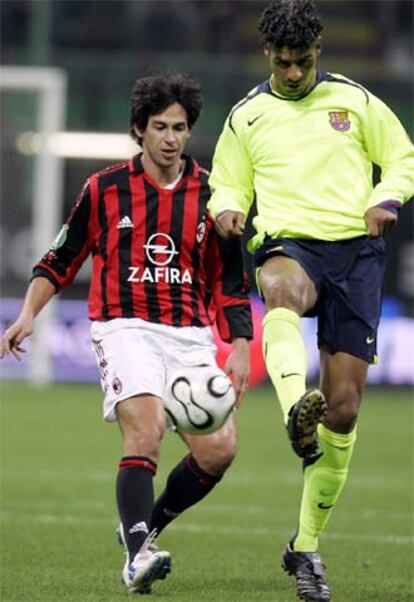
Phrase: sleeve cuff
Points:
(39, 271)
(392, 206)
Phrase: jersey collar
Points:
(267, 88)
(191, 165)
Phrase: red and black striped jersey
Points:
(155, 252)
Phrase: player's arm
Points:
(39, 292)
(390, 148)
(73, 243)
(230, 289)
(231, 182)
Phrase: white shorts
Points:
(135, 356)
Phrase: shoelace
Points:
(149, 544)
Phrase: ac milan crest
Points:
(201, 230)
(117, 385)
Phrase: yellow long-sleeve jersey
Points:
(308, 162)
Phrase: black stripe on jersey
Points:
(152, 203)
(239, 319)
(233, 274)
(176, 231)
(208, 295)
(103, 241)
(125, 246)
(195, 258)
(77, 233)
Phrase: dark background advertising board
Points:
(68, 340)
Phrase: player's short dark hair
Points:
(154, 94)
(292, 23)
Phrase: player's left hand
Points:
(238, 367)
(379, 221)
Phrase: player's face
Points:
(294, 70)
(165, 136)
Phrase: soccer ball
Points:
(199, 399)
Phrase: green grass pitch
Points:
(59, 462)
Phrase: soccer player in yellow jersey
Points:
(302, 144)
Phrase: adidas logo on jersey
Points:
(125, 222)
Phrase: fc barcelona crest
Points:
(339, 120)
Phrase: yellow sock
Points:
(323, 483)
(285, 356)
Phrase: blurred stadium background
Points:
(96, 49)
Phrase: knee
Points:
(343, 406)
(216, 458)
(139, 441)
(284, 294)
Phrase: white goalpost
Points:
(50, 86)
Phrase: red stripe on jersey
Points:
(113, 217)
(226, 301)
(164, 225)
(190, 217)
(95, 294)
(139, 236)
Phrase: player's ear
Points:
(266, 52)
(139, 132)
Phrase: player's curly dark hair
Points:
(292, 23)
(154, 94)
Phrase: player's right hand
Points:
(13, 337)
(230, 223)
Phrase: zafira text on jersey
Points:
(159, 274)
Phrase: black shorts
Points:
(349, 279)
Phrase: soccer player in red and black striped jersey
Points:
(161, 278)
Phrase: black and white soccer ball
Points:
(199, 399)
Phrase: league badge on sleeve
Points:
(339, 120)
(60, 238)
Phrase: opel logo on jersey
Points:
(160, 249)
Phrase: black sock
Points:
(187, 484)
(135, 498)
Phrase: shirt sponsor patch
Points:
(160, 250)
